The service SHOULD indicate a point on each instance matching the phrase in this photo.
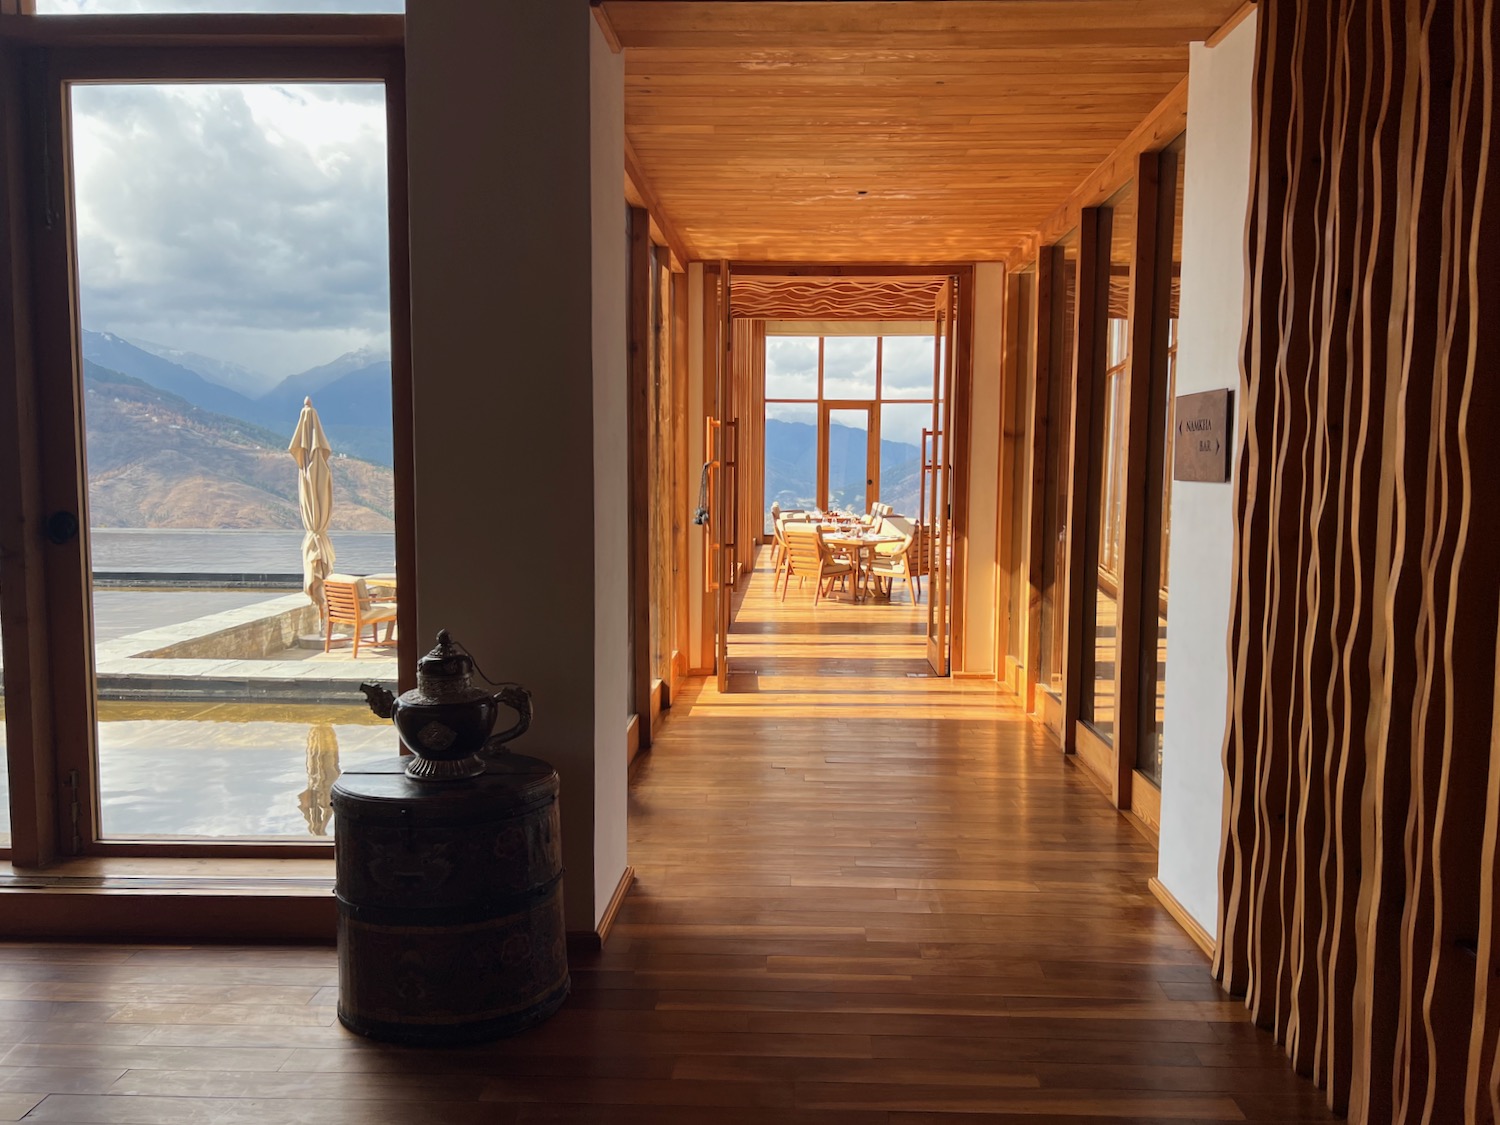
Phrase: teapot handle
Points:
(518, 699)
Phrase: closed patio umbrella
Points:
(310, 449)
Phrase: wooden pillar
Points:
(1137, 424)
(1093, 295)
(23, 571)
(1043, 429)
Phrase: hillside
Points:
(791, 466)
(156, 460)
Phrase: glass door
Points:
(849, 445)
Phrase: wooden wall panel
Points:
(663, 471)
(640, 344)
(1358, 909)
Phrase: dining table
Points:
(854, 543)
(382, 587)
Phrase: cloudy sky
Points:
(246, 222)
(849, 373)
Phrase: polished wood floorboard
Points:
(865, 896)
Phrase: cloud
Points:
(791, 367)
(248, 222)
(906, 367)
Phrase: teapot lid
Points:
(447, 660)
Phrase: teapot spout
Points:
(380, 699)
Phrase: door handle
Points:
(62, 527)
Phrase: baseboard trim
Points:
(592, 941)
(1200, 936)
(616, 901)
(168, 915)
(973, 675)
(632, 739)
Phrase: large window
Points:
(844, 410)
(216, 363)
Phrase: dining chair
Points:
(775, 537)
(347, 601)
(809, 557)
(896, 565)
(780, 564)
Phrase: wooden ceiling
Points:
(854, 130)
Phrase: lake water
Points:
(183, 551)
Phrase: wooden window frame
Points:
(50, 717)
(822, 404)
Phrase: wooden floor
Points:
(865, 896)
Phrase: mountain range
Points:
(792, 468)
(353, 392)
(157, 460)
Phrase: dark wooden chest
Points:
(450, 903)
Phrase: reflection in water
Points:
(322, 771)
(230, 772)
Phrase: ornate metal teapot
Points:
(445, 721)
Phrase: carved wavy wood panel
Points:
(773, 298)
(1359, 916)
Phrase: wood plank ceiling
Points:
(860, 131)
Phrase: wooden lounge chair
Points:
(807, 556)
(348, 602)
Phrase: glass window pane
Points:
(791, 457)
(849, 367)
(792, 367)
(901, 426)
(232, 262)
(906, 367)
(849, 461)
(181, 7)
(1106, 513)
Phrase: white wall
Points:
(1214, 277)
(519, 451)
(611, 273)
(978, 656)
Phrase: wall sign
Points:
(1202, 445)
